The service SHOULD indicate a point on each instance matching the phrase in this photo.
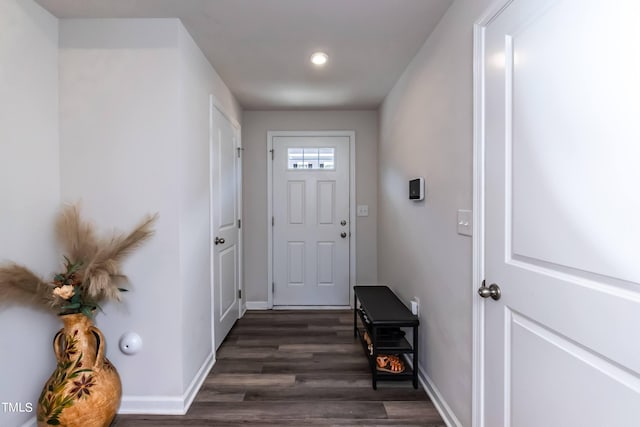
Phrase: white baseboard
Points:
(191, 391)
(156, 405)
(257, 305)
(434, 394)
(167, 405)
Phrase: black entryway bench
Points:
(382, 315)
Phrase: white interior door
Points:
(562, 143)
(224, 215)
(311, 220)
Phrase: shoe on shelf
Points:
(389, 363)
(367, 339)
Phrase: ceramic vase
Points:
(85, 389)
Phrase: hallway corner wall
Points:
(30, 192)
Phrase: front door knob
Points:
(343, 234)
(218, 241)
(492, 291)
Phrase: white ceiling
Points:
(261, 48)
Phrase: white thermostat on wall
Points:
(416, 189)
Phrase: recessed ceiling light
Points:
(319, 58)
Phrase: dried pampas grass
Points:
(21, 285)
(78, 238)
(101, 271)
(99, 259)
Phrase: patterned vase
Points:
(85, 389)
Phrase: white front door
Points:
(224, 216)
(311, 220)
(562, 145)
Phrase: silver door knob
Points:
(218, 241)
(492, 291)
(343, 234)
(343, 223)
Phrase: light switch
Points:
(363, 210)
(465, 222)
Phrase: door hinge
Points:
(239, 293)
(239, 223)
(273, 221)
(273, 287)
(272, 153)
(239, 150)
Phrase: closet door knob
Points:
(492, 291)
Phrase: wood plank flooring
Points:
(296, 368)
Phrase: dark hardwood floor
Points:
(296, 368)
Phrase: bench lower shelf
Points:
(407, 374)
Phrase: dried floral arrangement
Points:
(91, 269)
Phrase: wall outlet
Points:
(415, 305)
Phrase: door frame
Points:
(352, 204)
(214, 104)
(478, 238)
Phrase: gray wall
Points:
(30, 193)
(426, 130)
(134, 139)
(255, 126)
